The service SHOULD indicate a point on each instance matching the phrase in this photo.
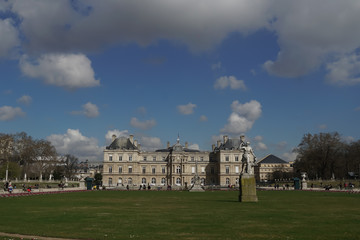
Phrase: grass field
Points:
(184, 215)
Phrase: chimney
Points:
(213, 147)
(135, 143)
(113, 138)
(186, 145)
(139, 146)
(225, 138)
(168, 144)
(218, 143)
(131, 138)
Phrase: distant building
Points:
(266, 167)
(126, 164)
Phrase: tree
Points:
(98, 179)
(70, 165)
(320, 155)
(13, 168)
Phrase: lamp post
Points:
(7, 171)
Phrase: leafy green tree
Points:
(98, 179)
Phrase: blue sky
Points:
(76, 72)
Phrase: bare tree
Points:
(320, 155)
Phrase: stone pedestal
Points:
(247, 188)
(197, 188)
(303, 184)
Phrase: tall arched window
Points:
(178, 181)
(143, 180)
(153, 181)
(178, 169)
(163, 181)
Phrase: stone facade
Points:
(125, 164)
(266, 167)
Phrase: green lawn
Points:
(184, 215)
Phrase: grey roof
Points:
(272, 159)
(122, 143)
(177, 147)
(230, 144)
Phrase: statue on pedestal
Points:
(247, 164)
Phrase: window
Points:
(202, 181)
(120, 158)
(178, 181)
(163, 158)
(193, 169)
(130, 158)
(110, 181)
(237, 181)
(130, 169)
(178, 169)
(202, 159)
(143, 169)
(163, 169)
(154, 158)
(120, 169)
(145, 158)
(227, 181)
(110, 169)
(153, 170)
(153, 181)
(192, 159)
(202, 169)
(226, 158)
(236, 158)
(236, 169)
(110, 158)
(163, 181)
(120, 181)
(227, 169)
(129, 181)
(143, 180)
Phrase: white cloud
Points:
(203, 118)
(345, 71)
(310, 31)
(261, 146)
(194, 146)
(231, 81)
(258, 138)
(145, 125)
(186, 109)
(73, 142)
(8, 113)
(150, 143)
(216, 66)
(243, 117)
(70, 71)
(322, 126)
(348, 139)
(142, 110)
(26, 100)
(307, 31)
(201, 25)
(9, 38)
(90, 110)
(289, 156)
(117, 133)
(281, 145)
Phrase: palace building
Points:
(125, 164)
